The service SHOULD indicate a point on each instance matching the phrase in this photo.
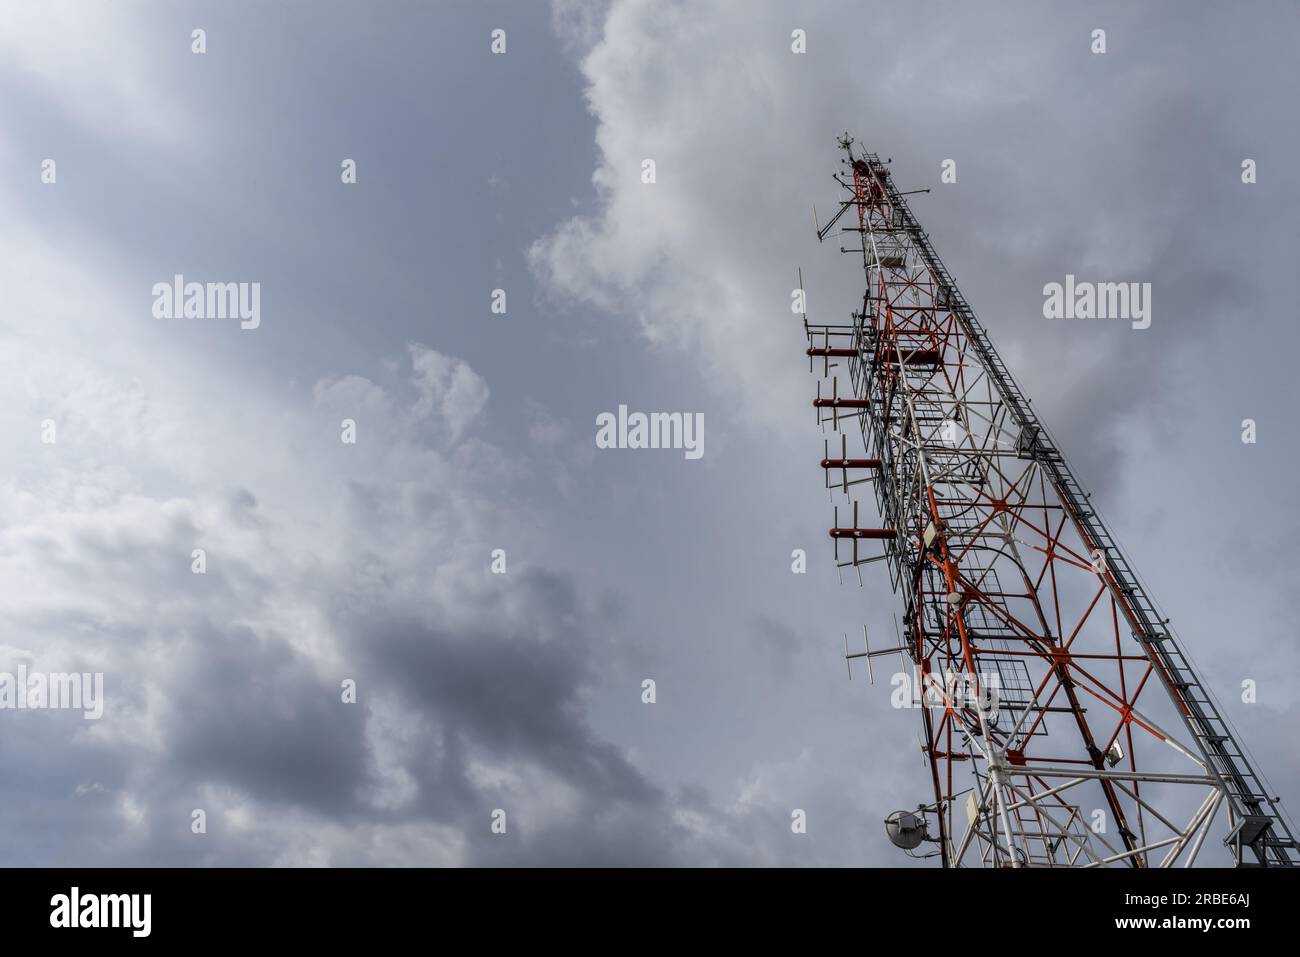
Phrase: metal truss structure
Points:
(1063, 725)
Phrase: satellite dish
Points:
(905, 829)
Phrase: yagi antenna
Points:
(825, 230)
(869, 654)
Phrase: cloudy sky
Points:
(370, 562)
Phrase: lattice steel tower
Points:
(1063, 725)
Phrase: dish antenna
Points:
(906, 830)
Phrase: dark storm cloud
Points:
(517, 698)
(254, 714)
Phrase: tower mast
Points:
(1062, 722)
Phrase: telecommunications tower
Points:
(1062, 723)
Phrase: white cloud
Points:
(448, 386)
(101, 64)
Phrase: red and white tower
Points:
(1062, 723)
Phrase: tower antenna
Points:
(1062, 722)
